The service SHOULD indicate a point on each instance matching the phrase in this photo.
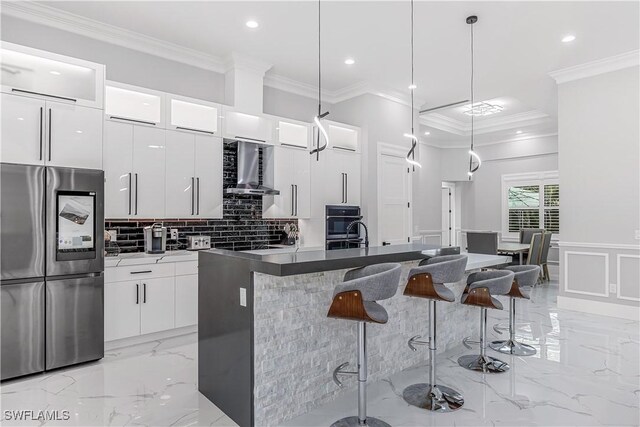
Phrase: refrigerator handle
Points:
(137, 293)
(41, 129)
(49, 134)
(130, 193)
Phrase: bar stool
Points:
(427, 281)
(525, 276)
(481, 287)
(355, 299)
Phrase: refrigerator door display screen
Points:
(76, 224)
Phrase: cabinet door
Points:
(118, 170)
(302, 181)
(157, 308)
(241, 125)
(351, 165)
(121, 310)
(22, 130)
(333, 176)
(74, 136)
(180, 175)
(148, 171)
(281, 205)
(186, 300)
(208, 172)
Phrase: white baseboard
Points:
(629, 312)
(141, 339)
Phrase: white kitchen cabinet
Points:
(180, 178)
(192, 115)
(118, 169)
(45, 75)
(157, 305)
(247, 127)
(193, 176)
(343, 137)
(122, 310)
(287, 170)
(293, 134)
(186, 300)
(74, 136)
(209, 175)
(23, 130)
(148, 172)
(336, 177)
(134, 105)
(39, 132)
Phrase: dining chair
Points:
(526, 234)
(482, 242)
(535, 250)
(544, 254)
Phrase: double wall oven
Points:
(338, 218)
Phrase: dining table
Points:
(513, 248)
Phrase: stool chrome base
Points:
(443, 399)
(487, 364)
(512, 347)
(355, 422)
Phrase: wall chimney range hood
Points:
(248, 163)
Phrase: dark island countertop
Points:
(289, 264)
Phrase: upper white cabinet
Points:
(336, 177)
(33, 72)
(39, 132)
(133, 104)
(293, 134)
(118, 169)
(247, 127)
(341, 136)
(287, 170)
(191, 115)
(193, 176)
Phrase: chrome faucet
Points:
(366, 232)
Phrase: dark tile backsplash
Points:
(241, 228)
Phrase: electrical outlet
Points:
(113, 234)
(243, 297)
(173, 234)
(612, 288)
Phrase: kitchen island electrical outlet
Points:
(173, 234)
(243, 297)
(113, 235)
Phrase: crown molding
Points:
(52, 17)
(486, 144)
(457, 127)
(594, 68)
(236, 60)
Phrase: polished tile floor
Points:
(586, 372)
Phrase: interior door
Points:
(118, 169)
(446, 217)
(148, 172)
(180, 197)
(208, 171)
(22, 121)
(394, 183)
(74, 136)
(74, 320)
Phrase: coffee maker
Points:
(155, 239)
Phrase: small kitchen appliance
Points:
(196, 243)
(155, 239)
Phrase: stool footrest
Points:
(340, 371)
(416, 341)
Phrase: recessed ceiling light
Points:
(146, 104)
(78, 131)
(21, 118)
(568, 38)
(252, 24)
(412, 87)
(427, 133)
(518, 132)
(55, 73)
(349, 61)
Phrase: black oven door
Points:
(339, 218)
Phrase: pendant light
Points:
(411, 155)
(474, 159)
(317, 119)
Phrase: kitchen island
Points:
(266, 349)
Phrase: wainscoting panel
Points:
(586, 273)
(628, 277)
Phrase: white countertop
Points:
(139, 258)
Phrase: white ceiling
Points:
(517, 43)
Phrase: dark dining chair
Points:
(544, 254)
(482, 242)
(526, 234)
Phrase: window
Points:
(531, 201)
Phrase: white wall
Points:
(599, 153)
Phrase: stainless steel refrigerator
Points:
(51, 268)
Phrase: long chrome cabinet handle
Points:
(141, 272)
(130, 193)
(49, 134)
(198, 194)
(193, 190)
(346, 187)
(132, 120)
(296, 199)
(43, 94)
(144, 293)
(41, 129)
(291, 199)
(137, 294)
(136, 205)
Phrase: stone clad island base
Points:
(272, 360)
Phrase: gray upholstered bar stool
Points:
(481, 287)
(525, 276)
(427, 281)
(355, 299)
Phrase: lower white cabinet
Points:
(186, 300)
(157, 305)
(121, 310)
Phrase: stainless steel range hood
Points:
(248, 163)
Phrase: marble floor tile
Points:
(586, 372)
